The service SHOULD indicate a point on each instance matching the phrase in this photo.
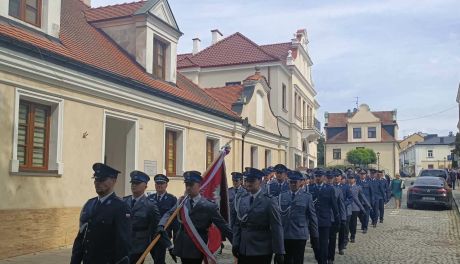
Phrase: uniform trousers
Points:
(321, 255)
(264, 259)
(353, 224)
(332, 241)
(158, 254)
(375, 211)
(343, 234)
(364, 219)
(295, 250)
(191, 261)
(381, 209)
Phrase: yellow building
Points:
(80, 85)
(362, 128)
(411, 140)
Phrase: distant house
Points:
(411, 140)
(434, 152)
(362, 128)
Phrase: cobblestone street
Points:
(406, 236)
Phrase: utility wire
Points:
(428, 115)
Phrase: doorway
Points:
(120, 149)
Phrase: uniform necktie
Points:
(158, 198)
(292, 196)
(133, 202)
(98, 203)
(191, 203)
(251, 200)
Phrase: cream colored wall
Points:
(389, 156)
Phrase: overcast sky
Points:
(396, 54)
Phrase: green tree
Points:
(361, 156)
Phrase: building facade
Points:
(286, 68)
(433, 152)
(81, 85)
(362, 128)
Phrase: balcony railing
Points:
(311, 123)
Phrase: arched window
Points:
(260, 109)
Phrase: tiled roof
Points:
(435, 140)
(227, 95)
(112, 11)
(280, 50)
(83, 43)
(232, 50)
(340, 119)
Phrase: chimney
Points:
(216, 36)
(87, 2)
(196, 45)
(348, 113)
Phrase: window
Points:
(430, 153)
(283, 96)
(298, 105)
(430, 166)
(232, 83)
(259, 109)
(295, 104)
(297, 161)
(26, 10)
(371, 132)
(254, 162)
(268, 158)
(357, 132)
(337, 154)
(33, 136)
(209, 152)
(171, 153)
(159, 59)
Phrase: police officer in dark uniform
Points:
(377, 195)
(384, 188)
(358, 205)
(326, 210)
(105, 228)
(364, 182)
(335, 227)
(347, 200)
(299, 219)
(258, 231)
(165, 201)
(202, 213)
(279, 184)
(144, 215)
(237, 189)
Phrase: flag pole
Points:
(174, 214)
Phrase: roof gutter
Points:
(31, 50)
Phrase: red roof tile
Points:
(279, 50)
(112, 11)
(227, 95)
(84, 43)
(340, 119)
(232, 50)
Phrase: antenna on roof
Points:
(357, 102)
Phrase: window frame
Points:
(157, 46)
(283, 96)
(30, 131)
(268, 158)
(22, 12)
(335, 152)
(355, 135)
(167, 150)
(210, 153)
(369, 131)
(254, 157)
(429, 153)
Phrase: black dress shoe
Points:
(374, 225)
(381, 220)
(352, 240)
(341, 252)
(364, 231)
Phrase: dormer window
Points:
(26, 10)
(159, 59)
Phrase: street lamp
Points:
(378, 160)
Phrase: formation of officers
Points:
(274, 212)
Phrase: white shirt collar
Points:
(102, 199)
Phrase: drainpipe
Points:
(248, 127)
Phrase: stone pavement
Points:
(425, 236)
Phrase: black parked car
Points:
(434, 173)
(428, 190)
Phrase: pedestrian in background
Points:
(397, 185)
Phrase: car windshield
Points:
(434, 173)
(429, 182)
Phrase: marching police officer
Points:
(165, 201)
(299, 219)
(279, 184)
(383, 187)
(202, 213)
(347, 200)
(364, 182)
(377, 195)
(105, 229)
(236, 190)
(144, 214)
(335, 227)
(326, 210)
(359, 200)
(258, 232)
(269, 174)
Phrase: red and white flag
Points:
(214, 188)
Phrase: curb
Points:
(456, 196)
